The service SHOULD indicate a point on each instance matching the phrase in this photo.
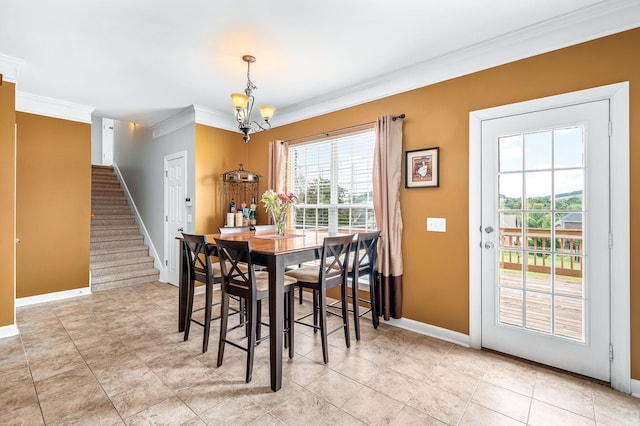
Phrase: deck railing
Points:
(538, 247)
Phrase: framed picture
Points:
(422, 168)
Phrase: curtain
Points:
(278, 156)
(387, 176)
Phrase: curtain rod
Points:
(326, 133)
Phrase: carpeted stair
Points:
(119, 256)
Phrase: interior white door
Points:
(175, 212)
(545, 237)
(107, 142)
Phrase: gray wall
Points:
(140, 159)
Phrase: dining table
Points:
(275, 253)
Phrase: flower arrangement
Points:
(278, 204)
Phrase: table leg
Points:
(183, 288)
(276, 319)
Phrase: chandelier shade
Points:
(243, 107)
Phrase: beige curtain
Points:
(278, 156)
(387, 176)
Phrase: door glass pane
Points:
(568, 148)
(569, 318)
(538, 190)
(510, 307)
(538, 231)
(537, 150)
(511, 268)
(569, 280)
(537, 274)
(510, 190)
(568, 189)
(538, 313)
(510, 153)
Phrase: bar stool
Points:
(331, 272)
(240, 279)
(365, 263)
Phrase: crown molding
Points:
(216, 119)
(49, 107)
(173, 123)
(600, 20)
(10, 68)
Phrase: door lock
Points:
(488, 229)
(488, 245)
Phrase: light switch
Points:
(436, 224)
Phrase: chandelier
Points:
(243, 105)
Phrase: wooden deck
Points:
(536, 314)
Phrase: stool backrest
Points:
(197, 257)
(238, 275)
(335, 260)
(365, 259)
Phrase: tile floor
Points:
(115, 357)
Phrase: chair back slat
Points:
(334, 261)
(366, 256)
(198, 260)
(238, 275)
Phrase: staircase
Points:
(119, 257)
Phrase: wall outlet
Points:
(436, 224)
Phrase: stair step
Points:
(112, 253)
(125, 276)
(117, 241)
(96, 287)
(100, 269)
(117, 209)
(105, 222)
(103, 231)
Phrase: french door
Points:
(546, 235)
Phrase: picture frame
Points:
(422, 168)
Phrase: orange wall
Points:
(436, 282)
(216, 151)
(53, 204)
(7, 189)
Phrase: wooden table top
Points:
(268, 243)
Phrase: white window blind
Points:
(333, 180)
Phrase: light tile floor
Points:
(115, 357)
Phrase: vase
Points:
(280, 222)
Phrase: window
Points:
(333, 181)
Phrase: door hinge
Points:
(166, 173)
(166, 262)
(610, 352)
(166, 218)
(610, 128)
(610, 240)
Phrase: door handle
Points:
(488, 229)
(488, 245)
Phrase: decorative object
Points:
(243, 106)
(278, 204)
(240, 187)
(422, 168)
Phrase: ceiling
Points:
(145, 60)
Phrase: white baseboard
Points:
(8, 331)
(50, 297)
(157, 263)
(431, 330)
(635, 388)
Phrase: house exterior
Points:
(46, 176)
